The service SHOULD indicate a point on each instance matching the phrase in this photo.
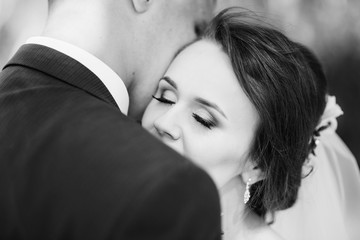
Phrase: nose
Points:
(167, 126)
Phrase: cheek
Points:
(217, 155)
(204, 148)
(214, 150)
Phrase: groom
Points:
(73, 165)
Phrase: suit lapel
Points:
(62, 67)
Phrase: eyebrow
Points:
(169, 81)
(211, 105)
(199, 100)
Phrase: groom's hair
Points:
(287, 85)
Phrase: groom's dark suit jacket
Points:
(72, 166)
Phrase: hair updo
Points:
(286, 84)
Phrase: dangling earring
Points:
(247, 191)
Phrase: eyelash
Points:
(206, 123)
(163, 100)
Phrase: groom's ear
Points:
(141, 6)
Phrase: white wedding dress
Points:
(328, 205)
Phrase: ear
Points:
(253, 172)
(141, 6)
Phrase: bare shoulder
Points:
(259, 232)
(268, 234)
(257, 229)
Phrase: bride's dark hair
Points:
(286, 84)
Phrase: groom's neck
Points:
(93, 28)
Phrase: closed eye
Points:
(163, 100)
(208, 123)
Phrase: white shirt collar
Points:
(110, 79)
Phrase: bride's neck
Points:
(237, 219)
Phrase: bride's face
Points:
(200, 110)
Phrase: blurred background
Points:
(331, 28)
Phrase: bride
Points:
(245, 103)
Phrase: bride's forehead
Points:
(202, 62)
(202, 47)
(202, 58)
